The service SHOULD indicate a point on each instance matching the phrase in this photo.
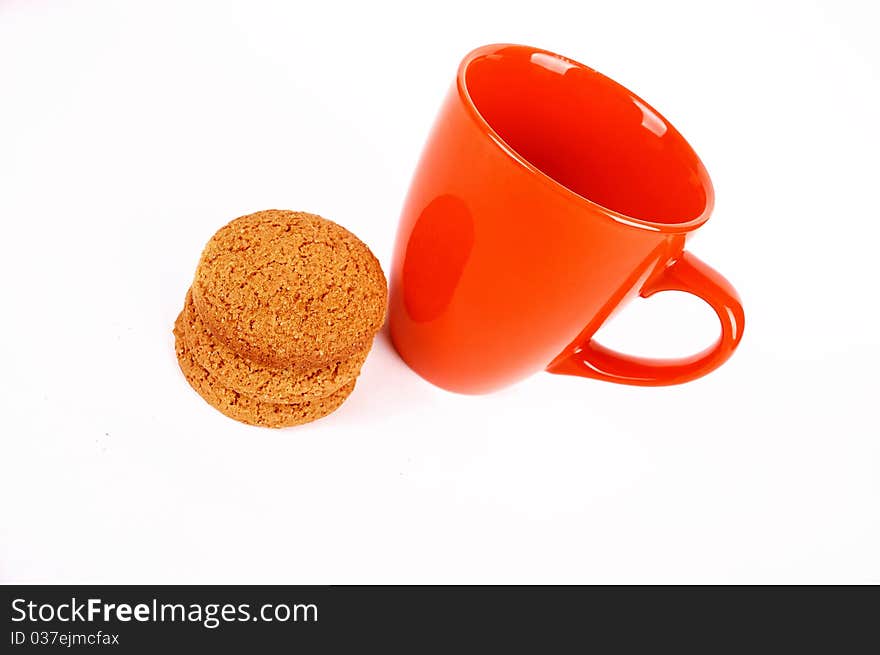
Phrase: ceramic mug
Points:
(546, 197)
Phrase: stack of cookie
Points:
(280, 318)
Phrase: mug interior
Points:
(588, 133)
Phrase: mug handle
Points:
(687, 273)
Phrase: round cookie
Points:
(274, 385)
(244, 408)
(290, 289)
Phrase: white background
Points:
(131, 131)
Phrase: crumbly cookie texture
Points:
(268, 384)
(242, 407)
(290, 289)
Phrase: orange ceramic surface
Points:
(547, 196)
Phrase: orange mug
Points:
(546, 197)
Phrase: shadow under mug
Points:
(546, 197)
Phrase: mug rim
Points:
(678, 227)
